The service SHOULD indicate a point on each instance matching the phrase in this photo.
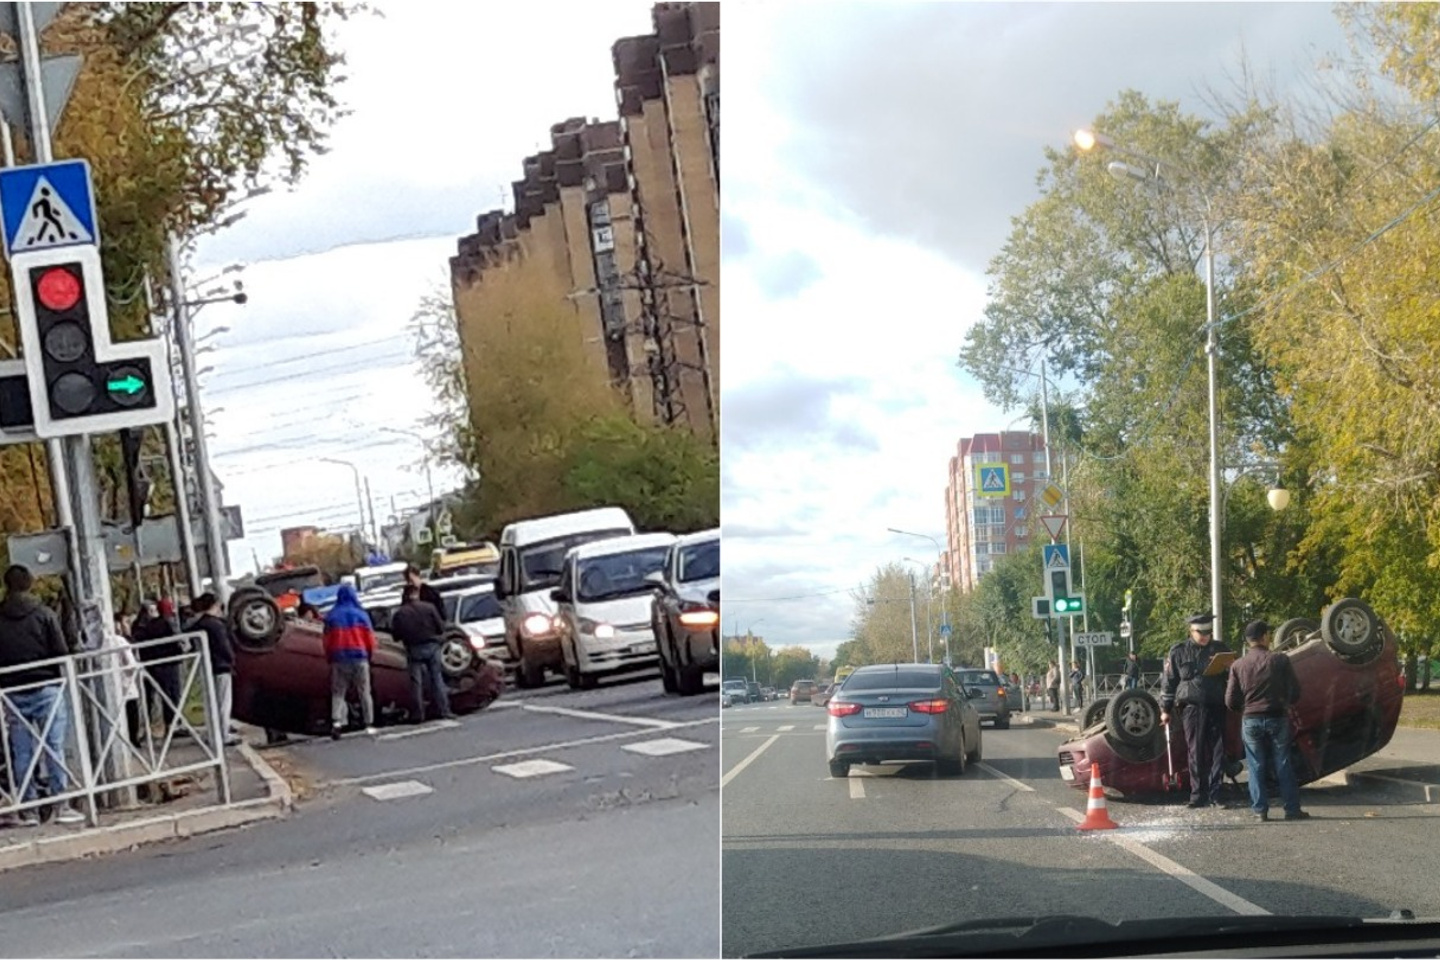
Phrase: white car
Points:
(476, 611)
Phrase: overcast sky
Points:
(448, 100)
(874, 157)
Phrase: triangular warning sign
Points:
(49, 221)
(1053, 525)
(991, 479)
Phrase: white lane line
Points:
(786, 728)
(857, 788)
(735, 770)
(417, 731)
(1010, 780)
(664, 747)
(504, 755)
(532, 768)
(819, 726)
(748, 729)
(608, 717)
(397, 791)
(1184, 874)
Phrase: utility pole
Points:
(914, 634)
(1050, 476)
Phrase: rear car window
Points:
(901, 679)
(980, 676)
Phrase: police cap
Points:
(1204, 622)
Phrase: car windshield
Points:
(985, 677)
(903, 678)
(541, 563)
(478, 606)
(618, 574)
(699, 561)
(374, 582)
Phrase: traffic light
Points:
(79, 381)
(1063, 601)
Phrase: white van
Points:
(377, 581)
(532, 555)
(604, 604)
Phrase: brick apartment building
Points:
(979, 528)
(618, 224)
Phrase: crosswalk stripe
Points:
(786, 727)
(748, 729)
(664, 746)
(819, 726)
(397, 791)
(531, 768)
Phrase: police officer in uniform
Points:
(1201, 700)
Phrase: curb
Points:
(1414, 791)
(277, 803)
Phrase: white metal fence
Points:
(70, 739)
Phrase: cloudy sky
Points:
(318, 363)
(874, 157)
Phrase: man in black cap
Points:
(1202, 704)
(1263, 686)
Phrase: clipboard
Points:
(1219, 663)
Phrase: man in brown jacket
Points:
(1263, 686)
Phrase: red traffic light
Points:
(58, 289)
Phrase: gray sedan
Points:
(992, 695)
(903, 711)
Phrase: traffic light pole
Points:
(214, 537)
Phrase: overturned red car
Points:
(282, 678)
(1351, 690)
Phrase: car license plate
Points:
(885, 713)
(1067, 773)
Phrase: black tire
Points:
(1002, 724)
(839, 769)
(976, 755)
(1094, 713)
(528, 673)
(1132, 717)
(1294, 632)
(668, 678)
(1351, 628)
(457, 657)
(257, 620)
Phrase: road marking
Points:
(1184, 874)
(857, 788)
(417, 731)
(504, 755)
(786, 728)
(748, 729)
(664, 746)
(1010, 780)
(532, 768)
(819, 726)
(397, 791)
(735, 770)
(608, 717)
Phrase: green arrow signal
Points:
(130, 384)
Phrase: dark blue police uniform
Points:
(1201, 703)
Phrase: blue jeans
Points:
(1267, 750)
(36, 707)
(424, 664)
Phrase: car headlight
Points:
(538, 624)
(600, 631)
(699, 617)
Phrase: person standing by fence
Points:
(1052, 684)
(222, 659)
(34, 699)
(1132, 672)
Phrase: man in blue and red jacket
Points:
(349, 645)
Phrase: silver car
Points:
(992, 694)
(902, 711)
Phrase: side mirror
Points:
(655, 578)
(499, 589)
(558, 596)
(714, 597)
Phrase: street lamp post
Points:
(944, 607)
(1087, 140)
(429, 482)
(750, 650)
(359, 491)
(929, 620)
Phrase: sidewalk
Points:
(257, 793)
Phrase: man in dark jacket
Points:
(1202, 703)
(419, 626)
(159, 658)
(222, 658)
(428, 594)
(1263, 687)
(30, 634)
(1132, 672)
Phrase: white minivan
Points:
(532, 555)
(604, 603)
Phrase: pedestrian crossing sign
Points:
(993, 480)
(1057, 556)
(47, 205)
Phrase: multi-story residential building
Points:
(617, 226)
(980, 528)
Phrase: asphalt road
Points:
(554, 823)
(808, 860)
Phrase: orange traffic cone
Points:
(1097, 817)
